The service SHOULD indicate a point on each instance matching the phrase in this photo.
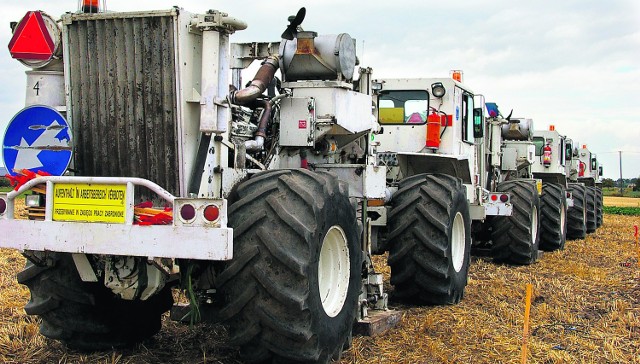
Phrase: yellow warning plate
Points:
(89, 202)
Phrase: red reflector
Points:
(494, 197)
(187, 212)
(3, 206)
(31, 39)
(504, 198)
(211, 213)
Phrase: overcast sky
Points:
(571, 63)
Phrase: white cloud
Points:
(573, 63)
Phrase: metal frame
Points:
(167, 241)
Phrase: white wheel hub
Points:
(458, 242)
(534, 225)
(334, 271)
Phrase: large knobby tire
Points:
(429, 240)
(592, 213)
(553, 217)
(290, 293)
(515, 238)
(577, 214)
(85, 315)
(599, 220)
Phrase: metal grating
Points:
(123, 106)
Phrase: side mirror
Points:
(478, 124)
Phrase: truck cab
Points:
(427, 124)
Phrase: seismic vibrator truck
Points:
(149, 172)
(553, 155)
(508, 161)
(443, 159)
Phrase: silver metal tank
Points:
(517, 129)
(314, 57)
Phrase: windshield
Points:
(539, 143)
(403, 107)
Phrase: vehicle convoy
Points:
(253, 203)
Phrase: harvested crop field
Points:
(585, 309)
(621, 201)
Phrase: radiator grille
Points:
(123, 105)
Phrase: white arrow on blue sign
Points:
(38, 138)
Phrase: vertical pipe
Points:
(495, 142)
(224, 50)
(209, 77)
(236, 78)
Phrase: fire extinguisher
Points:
(546, 155)
(581, 169)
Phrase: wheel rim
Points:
(458, 240)
(334, 271)
(563, 216)
(534, 225)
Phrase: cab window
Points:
(539, 144)
(467, 117)
(403, 107)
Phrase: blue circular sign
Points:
(38, 139)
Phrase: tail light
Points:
(211, 213)
(503, 197)
(3, 205)
(187, 213)
(200, 212)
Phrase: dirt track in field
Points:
(585, 309)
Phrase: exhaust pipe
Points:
(259, 84)
(261, 133)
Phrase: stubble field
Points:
(585, 309)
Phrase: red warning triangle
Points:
(31, 40)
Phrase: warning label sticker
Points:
(89, 202)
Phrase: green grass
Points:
(615, 191)
(615, 210)
(9, 189)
